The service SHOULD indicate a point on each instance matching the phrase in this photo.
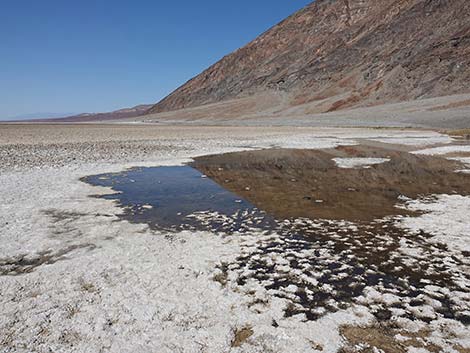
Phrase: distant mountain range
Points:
(93, 117)
(32, 116)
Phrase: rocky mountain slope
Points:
(338, 54)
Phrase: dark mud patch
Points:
(240, 336)
(323, 267)
(63, 216)
(28, 263)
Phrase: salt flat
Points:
(75, 277)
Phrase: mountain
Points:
(133, 112)
(339, 54)
(35, 116)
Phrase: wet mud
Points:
(307, 183)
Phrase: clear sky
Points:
(79, 56)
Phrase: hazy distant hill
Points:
(35, 116)
(115, 115)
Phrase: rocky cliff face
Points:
(345, 52)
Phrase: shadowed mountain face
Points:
(344, 53)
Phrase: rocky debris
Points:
(62, 154)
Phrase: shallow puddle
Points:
(284, 184)
(323, 234)
(174, 199)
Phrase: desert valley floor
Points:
(313, 239)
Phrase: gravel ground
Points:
(447, 112)
(24, 146)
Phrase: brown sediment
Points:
(461, 133)
(317, 188)
(382, 337)
(457, 154)
(459, 104)
(241, 335)
(379, 337)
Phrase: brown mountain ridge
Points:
(338, 54)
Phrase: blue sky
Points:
(97, 55)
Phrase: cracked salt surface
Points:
(136, 290)
(464, 160)
(405, 274)
(444, 150)
(415, 140)
(191, 291)
(445, 217)
(359, 162)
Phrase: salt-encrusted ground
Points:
(358, 162)
(74, 278)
